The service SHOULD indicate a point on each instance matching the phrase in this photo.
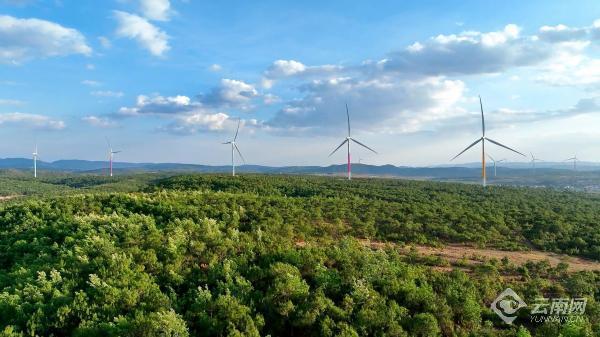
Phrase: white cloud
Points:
(100, 122)
(107, 93)
(230, 93)
(158, 10)
(269, 99)
(571, 66)
(197, 122)
(160, 105)
(215, 68)
(91, 83)
(560, 33)
(10, 102)
(31, 121)
(467, 53)
(105, 42)
(26, 39)
(146, 34)
(288, 68)
(385, 104)
(90, 66)
(282, 68)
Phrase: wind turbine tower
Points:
(35, 158)
(534, 160)
(349, 139)
(482, 140)
(234, 149)
(495, 162)
(575, 160)
(111, 155)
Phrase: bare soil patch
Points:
(473, 255)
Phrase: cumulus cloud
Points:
(146, 34)
(385, 104)
(158, 10)
(291, 68)
(230, 93)
(198, 122)
(560, 33)
(570, 66)
(26, 39)
(186, 116)
(160, 105)
(101, 122)
(31, 121)
(468, 53)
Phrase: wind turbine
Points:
(482, 140)
(495, 162)
(234, 148)
(35, 158)
(533, 160)
(347, 141)
(575, 160)
(111, 155)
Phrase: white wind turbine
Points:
(347, 141)
(111, 155)
(35, 158)
(482, 140)
(234, 149)
(534, 159)
(495, 162)
(575, 160)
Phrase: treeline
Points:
(429, 212)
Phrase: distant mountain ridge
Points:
(441, 171)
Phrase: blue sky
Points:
(167, 80)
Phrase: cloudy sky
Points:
(168, 80)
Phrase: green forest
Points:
(270, 255)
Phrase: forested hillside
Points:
(207, 255)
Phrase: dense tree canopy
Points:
(207, 255)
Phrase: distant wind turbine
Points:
(111, 155)
(533, 160)
(495, 162)
(347, 141)
(575, 160)
(482, 140)
(35, 158)
(234, 148)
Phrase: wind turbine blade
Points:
(482, 118)
(506, 147)
(468, 147)
(570, 159)
(337, 148)
(239, 152)
(226, 143)
(363, 145)
(108, 142)
(348, 115)
(492, 158)
(117, 151)
(238, 129)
